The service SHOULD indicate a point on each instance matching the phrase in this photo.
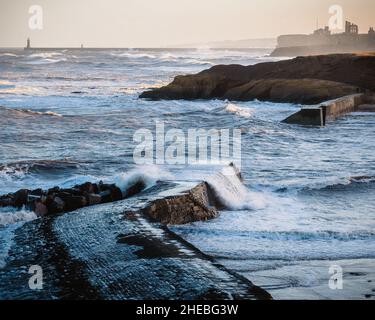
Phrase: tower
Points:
(351, 28)
(28, 44)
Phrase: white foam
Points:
(45, 55)
(29, 112)
(133, 55)
(9, 216)
(242, 112)
(7, 54)
(149, 175)
(233, 193)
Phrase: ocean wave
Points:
(199, 62)
(45, 58)
(232, 193)
(134, 55)
(28, 113)
(9, 216)
(8, 54)
(342, 184)
(168, 57)
(10, 220)
(242, 112)
(19, 90)
(362, 179)
(46, 61)
(45, 55)
(21, 168)
(148, 176)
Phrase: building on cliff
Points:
(323, 41)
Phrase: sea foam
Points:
(232, 193)
(149, 175)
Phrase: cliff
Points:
(305, 80)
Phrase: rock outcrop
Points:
(305, 80)
(190, 206)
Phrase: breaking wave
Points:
(232, 193)
(22, 168)
(242, 112)
(9, 216)
(343, 184)
(28, 113)
(46, 58)
(148, 176)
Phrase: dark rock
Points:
(134, 189)
(37, 192)
(88, 187)
(20, 198)
(55, 205)
(53, 190)
(7, 201)
(303, 80)
(105, 196)
(40, 209)
(110, 192)
(93, 199)
(75, 202)
(194, 205)
(116, 193)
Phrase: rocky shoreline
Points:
(303, 80)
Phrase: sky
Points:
(160, 23)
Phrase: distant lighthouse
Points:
(28, 44)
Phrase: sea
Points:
(304, 215)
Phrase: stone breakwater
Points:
(58, 200)
(304, 80)
(114, 251)
(192, 205)
(199, 203)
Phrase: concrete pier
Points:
(328, 111)
(120, 251)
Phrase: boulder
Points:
(20, 198)
(40, 209)
(7, 201)
(72, 201)
(134, 189)
(94, 199)
(55, 205)
(193, 205)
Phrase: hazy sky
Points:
(153, 23)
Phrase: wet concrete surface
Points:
(112, 251)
